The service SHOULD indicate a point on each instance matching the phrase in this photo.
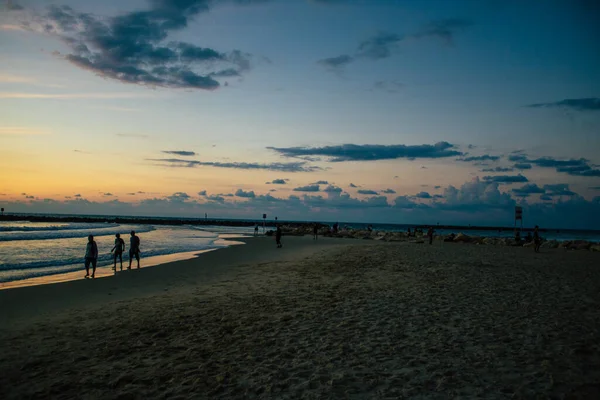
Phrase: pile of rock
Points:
(451, 238)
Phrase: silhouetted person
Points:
(408, 232)
(537, 240)
(518, 237)
(91, 257)
(278, 234)
(528, 238)
(315, 231)
(430, 234)
(256, 230)
(118, 250)
(134, 249)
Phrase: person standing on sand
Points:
(430, 234)
(134, 249)
(315, 231)
(118, 249)
(278, 234)
(91, 257)
(256, 230)
(537, 241)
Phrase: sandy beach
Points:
(328, 319)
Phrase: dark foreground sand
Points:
(341, 319)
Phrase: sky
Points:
(397, 111)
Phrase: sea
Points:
(30, 250)
(37, 249)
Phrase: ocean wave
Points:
(56, 227)
(73, 233)
(52, 267)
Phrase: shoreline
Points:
(107, 271)
(43, 300)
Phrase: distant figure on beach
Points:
(370, 228)
(408, 232)
(91, 257)
(118, 250)
(430, 234)
(256, 230)
(518, 237)
(315, 231)
(335, 227)
(528, 238)
(278, 234)
(537, 241)
(134, 249)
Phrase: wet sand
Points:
(336, 319)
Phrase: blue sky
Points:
(433, 110)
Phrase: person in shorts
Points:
(118, 250)
(91, 257)
(134, 249)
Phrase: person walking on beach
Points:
(537, 241)
(315, 231)
(91, 257)
(256, 230)
(118, 250)
(134, 249)
(430, 234)
(278, 234)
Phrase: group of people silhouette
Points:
(91, 253)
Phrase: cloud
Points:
(388, 191)
(423, 195)
(320, 183)
(11, 78)
(369, 152)
(178, 197)
(559, 189)
(545, 197)
(336, 63)
(527, 190)
(522, 166)
(69, 96)
(388, 86)
(444, 29)
(485, 157)
(182, 153)
(498, 169)
(574, 167)
(22, 131)
(11, 27)
(585, 104)
(367, 191)
(30, 197)
(281, 167)
(505, 179)
(595, 188)
(383, 44)
(134, 48)
(437, 187)
(248, 195)
(333, 189)
(352, 185)
(308, 188)
(108, 194)
(278, 182)
(379, 46)
(77, 195)
(202, 193)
